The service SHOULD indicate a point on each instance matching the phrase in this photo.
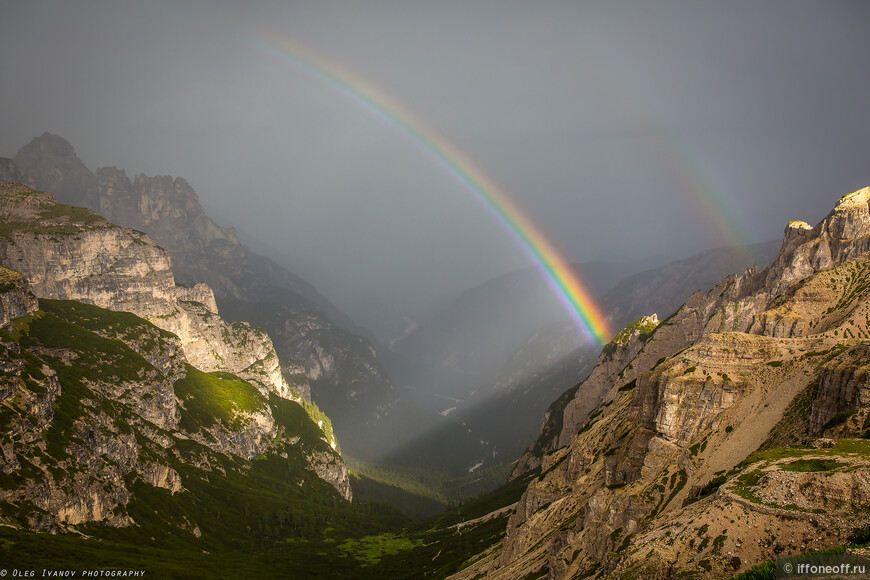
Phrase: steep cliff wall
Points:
(748, 303)
(16, 298)
(185, 375)
(88, 418)
(620, 484)
(68, 253)
(246, 286)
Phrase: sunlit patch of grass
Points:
(218, 395)
(370, 549)
(805, 465)
(856, 446)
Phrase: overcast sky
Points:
(623, 129)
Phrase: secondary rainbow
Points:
(693, 173)
(561, 278)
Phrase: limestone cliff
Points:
(162, 368)
(16, 298)
(96, 403)
(71, 254)
(629, 486)
(9, 171)
(246, 286)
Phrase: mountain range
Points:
(161, 388)
(452, 361)
(709, 443)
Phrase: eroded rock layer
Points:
(647, 468)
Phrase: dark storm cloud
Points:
(610, 123)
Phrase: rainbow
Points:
(703, 189)
(562, 279)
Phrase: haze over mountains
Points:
(493, 345)
(127, 401)
(502, 402)
(298, 318)
(468, 290)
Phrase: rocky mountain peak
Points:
(850, 219)
(9, 171)
(841, 236)
(50, 146)
(49, 163)
(643, 325)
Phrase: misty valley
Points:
(177, 404)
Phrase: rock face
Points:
(49, 163)
(169, 210)
(16, 299)
(118, 375)
(844, 384)
(9, 171)
(246, 286)
(346, 379)
(86, 258)
(766, 358)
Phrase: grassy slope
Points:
(269, 517)
(241, 508)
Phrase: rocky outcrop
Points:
(169, 210)
(841, 236)
(9, 171)
(134, 393)
(612, 366)
(844, 385)
(200, 293)
(84, 257)
(564, 419)
(98, 263)
(16, 299)
(706, 388)
(332, 470)
(49, 163)
(347, 381)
